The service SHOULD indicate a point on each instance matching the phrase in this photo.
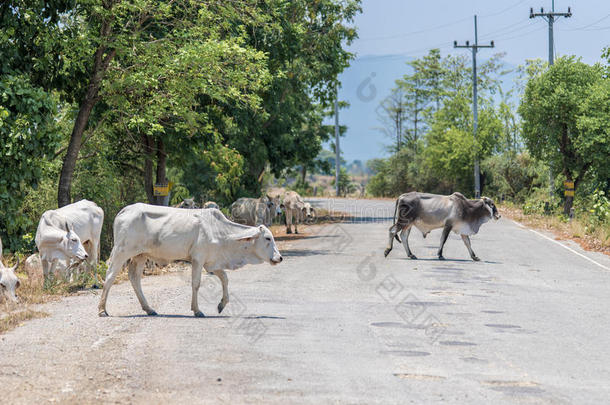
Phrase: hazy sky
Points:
(412, 27)
(394, 31)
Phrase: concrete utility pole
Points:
(337, 148)
(550, 18)
(475, 48)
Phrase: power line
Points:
(583, 28)
(449, 24)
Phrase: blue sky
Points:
(394, 31)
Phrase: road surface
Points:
(338, 323)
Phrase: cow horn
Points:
(16, 265)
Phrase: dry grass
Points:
(597, 240)
(10, 318)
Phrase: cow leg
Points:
(224, 280)
(393, 232)
(116, 264)
(444, 236)
(136, 268)
(404, 236)
(46, 268)
(196, 268)
(288, 220)
(466, 240)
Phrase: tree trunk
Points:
(303, 174)
(102, 59)
(161, 166)
(148, 169)
(67, 169)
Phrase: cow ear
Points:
(67, 225)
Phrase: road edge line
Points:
(562, 245)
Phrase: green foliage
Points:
(29, 134)
(563, 118)
(513, 176)
(345, 183)
(599, 209)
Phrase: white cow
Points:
(205, 237)
(63, 233)
(211, 204)
(297, 211)
(9, 282)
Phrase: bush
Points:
(513, 176)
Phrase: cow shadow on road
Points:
(181, 316)
(308, 252)
(433, 259)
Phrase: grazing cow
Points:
(309, 213)
(188, 203)
(431, 211)
(296, 209)
(9, 282)
(256, 211)
(211, 204)
(63, 233)
(204, 237)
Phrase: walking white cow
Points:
(204, 237)
(297, 210)
(63, 233)
(9, 282)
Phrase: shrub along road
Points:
(335, 322)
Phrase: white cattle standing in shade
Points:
(69, 233)
(256, 211)
(9, 282)
(205, 237)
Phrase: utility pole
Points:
(550, 18)
(337, 148)
(475, 48)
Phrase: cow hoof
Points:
(151, 312)
(296, 231)
(476, 259)
(199, 314)
(441, 258)
(386, 252)
(103, 314)
(221, 306)
(412, 256)
(288, 231)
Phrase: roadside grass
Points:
(578, 229)
(10, 317)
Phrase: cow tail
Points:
(395, 220)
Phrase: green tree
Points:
(28, 135)
(563, 122)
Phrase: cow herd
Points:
(70, 236)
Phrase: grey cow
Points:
(432, 211)
(255, 211)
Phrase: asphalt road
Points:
(338, 323)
